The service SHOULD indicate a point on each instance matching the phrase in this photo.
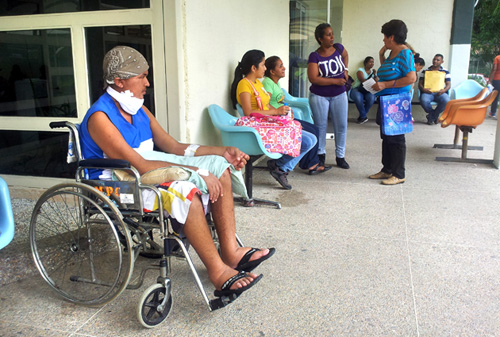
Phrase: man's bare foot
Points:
(242, 251)
(219, 280)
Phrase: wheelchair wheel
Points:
(80, 244)
(150, 312)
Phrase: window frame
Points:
(77, 22)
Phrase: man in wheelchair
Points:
(119, 126)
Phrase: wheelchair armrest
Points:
(55, 125)
(105, 163)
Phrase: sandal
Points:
(316, 171)
(234, 293)
(248, 266)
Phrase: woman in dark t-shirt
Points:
(327, 72)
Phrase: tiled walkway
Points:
(354, 258)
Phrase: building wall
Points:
(429, 31)
(216, 35)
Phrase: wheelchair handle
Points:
(55, 125)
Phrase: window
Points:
(101, 39)
(36, 74)
(27, 7)
(35, 153)
(51, 70)
(305, 15)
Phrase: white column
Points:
(459, 63)
(496, 154)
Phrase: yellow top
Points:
(246, 86)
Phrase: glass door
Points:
(305, 15)
(51, 70)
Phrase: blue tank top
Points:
(137, 134)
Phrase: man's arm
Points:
(170, 145)
(447, 86)
(111, 142)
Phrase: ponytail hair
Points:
(419, 60)
(251, 58)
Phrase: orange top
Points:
(496, 77)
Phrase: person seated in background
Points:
(434, 85)
(361, 97)
(275, 70)
(419, 65)
(119, 126)
(249, 92)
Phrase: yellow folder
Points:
(434, 80)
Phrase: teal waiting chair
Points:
(468, 89)
(300, 106)
(6, 216)
(247, 140)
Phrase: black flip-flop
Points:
(316, 171)
(248, 266)
(234, 293)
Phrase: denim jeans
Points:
(427, 99)
(336, 107)
(287, 163)
(311, 157)
(494, 105)
(363, 101)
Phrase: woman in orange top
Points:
(495, 82)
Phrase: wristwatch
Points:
(203, 172)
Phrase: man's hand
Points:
(235, 157)
(440, 92)
(427, 91)
(214, 187)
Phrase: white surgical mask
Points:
(127, 101)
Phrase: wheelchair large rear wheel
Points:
(80, 244)
(152, 310)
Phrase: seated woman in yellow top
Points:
(249, 92)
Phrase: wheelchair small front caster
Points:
(154, 305)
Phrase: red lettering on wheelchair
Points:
(109, 190)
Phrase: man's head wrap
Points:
(123, 62)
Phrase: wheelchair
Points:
(85, 237)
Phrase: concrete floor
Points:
(354, 258)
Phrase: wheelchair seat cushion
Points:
(157, 176)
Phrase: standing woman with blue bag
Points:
(396, 74)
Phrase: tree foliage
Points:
(485, 32)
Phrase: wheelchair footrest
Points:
(222, 301)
